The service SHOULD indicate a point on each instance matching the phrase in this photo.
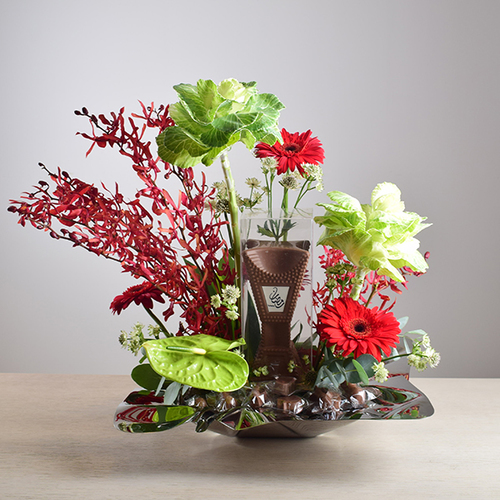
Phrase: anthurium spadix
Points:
(377, 237)
(201, 361)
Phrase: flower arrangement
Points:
(180, 238)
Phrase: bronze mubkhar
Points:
(276, 274)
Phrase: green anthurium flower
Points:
(201, 361)
(210, 118)
(377, 237)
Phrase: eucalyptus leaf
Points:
(407, 347)
(352, 370)
(171, 393)
(402, 321)
(367, 361)
(325, 375)
(419, 332)
(361, 372)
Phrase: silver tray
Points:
(395, 399)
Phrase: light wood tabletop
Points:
(57, 441)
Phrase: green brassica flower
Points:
(377, 237)
(210, 118)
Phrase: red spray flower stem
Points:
(176, 246)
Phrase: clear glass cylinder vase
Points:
(276, 291)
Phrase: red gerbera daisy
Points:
(356, 329)
(143, 294)
(296, 150)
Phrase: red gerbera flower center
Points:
(353, 328)
(292, 148)
(358, 328)
(296, 150)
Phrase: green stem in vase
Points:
(306, 187)
(284, 203)
(269, 188)
(233, 213)
(284, 207)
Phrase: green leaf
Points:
(146, 377)
(265, 231)
(324, 374)
(183, 119)
(367, 361)
(171, 393)
(247, 138)
(215, 138)
(344, 201)
(201, 361)
(402, 321)
(361, 372)
(250, 418)
(407, 347)
(252, 329)
(419, 332)
(352, 370)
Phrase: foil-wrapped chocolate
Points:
(284, 386)
(327, 399)
(356, 394)
(259, 397)
(293, 404)
(226, 401)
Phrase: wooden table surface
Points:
(57, 441)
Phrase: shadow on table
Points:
(186, 453)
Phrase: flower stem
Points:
(398, 356)
(284, 203)
(374, 289)
(158, 322)
(269, 192)
(233, 213)
(303, 191)
(284, 208)
(361, 272)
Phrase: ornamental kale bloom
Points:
(378, 237)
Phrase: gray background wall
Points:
(401, 91)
